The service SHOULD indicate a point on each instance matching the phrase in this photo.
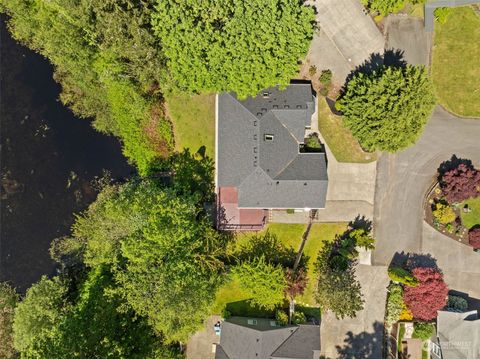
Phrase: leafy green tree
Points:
(385, 7)
(337, 288)
(95, 322)
(37, 317)
(224, 45)
(108, 62)
(8, 302)
(265, 282)
(172, 263)
(386, 110)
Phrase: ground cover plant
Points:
(455, 69)
(387, 109)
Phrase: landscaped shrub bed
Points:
(453, 204)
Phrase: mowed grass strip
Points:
(193, 118)
(472, 218)
(340, 140)
(456, 62)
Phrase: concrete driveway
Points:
(402, 180)
(359, 337)
(347, 38)
(407, 34)
(201, 344)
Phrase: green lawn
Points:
(456, 66)
(473, 218)
(232, 296)
(344, 146)
(193, 119)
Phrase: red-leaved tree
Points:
(460, 183)
(428, 296)
(296, 282)
(474, 237)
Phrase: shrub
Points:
(387, 122)
(281, 317)
(394, 303)
(384, 7)
(326, 77)
(296, 282)
(474, 237)
(312, 70)
(428, 296)
(441, 14)
(324, 91)
(423, 330)
(299, 318)
(460, 183)
(443, 213)
(226, 314)
(312, 144)
(406, 313)
(400, 275)
(456, 304)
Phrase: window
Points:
(273, 323)
(268, 137)
(252, 322)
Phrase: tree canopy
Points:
(108, 62)
(387, 109)
(264, 281)
(224, 45)
(8, 302)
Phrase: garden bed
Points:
(465, 215)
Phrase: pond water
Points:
(48, 161)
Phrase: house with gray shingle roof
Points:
(260, 159)
(257, 338)
(458, 336)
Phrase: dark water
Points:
(48, 160)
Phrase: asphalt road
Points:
(403, 178)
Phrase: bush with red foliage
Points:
(474, 237)
(296, 282)
(428, 296)
(460, 183)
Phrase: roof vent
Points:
(299, 106)
(286, 106)
(266, 94)
(268, 137)
(259, 114)
(255, 122)
(275, 106)
(264, 109)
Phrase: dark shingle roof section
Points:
(258, 149)
(262, 341)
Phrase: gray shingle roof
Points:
(241, 341)
(270, 173)
(459, 334)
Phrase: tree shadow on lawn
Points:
(361, 222)
(363, 345)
